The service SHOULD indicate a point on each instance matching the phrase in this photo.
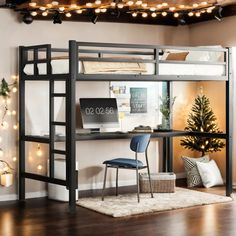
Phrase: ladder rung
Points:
(61, 152)
(58, 123)
(58, 94)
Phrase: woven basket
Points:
(161, 183)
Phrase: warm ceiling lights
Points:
(144, 8)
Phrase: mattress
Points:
(62, 67)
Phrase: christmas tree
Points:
(202, 119)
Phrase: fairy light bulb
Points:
(97, 10)
(144, 4)
(8, 101)
(79, 11)
(49, 5)
(144, 14)
(55, 3)
(14, 159)
(42, 8)
(8, 112)
(4, 125)
(164, 4)
(120, 5)
(61, 8)
(197, 14)
(134, 14)
(164, 13)
(89, 4)
(176, 14)
(14, 89)
(195, 5)
(73, 5)
(15, 127)
(32, 4)
(39, 151)
(33, 13)
(103, 10)
(113, 4)
(172, 8)
(68, 14)
(138, 3)
(154, 14)
(204, 3)
(44, 13)
(202, 147)
(190, 14)
(98, 2)
(152, 9)
(159, 6)
(130, 3)
(209, 10)
(39, 167)
(13, 112)
(181, 6)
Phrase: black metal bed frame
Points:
(100, 49)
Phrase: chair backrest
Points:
(140, 143)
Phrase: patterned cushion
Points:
(193, 176)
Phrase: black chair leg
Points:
(137, 180)
(117, 171)
(104, 183)
(149, 176)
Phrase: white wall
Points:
(14, 34)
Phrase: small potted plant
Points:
(166, 106)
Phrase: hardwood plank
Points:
(45, 217)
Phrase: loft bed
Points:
(115, 62)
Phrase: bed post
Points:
(71, 124)
(229, 124)
(169, 144)
(22, 58)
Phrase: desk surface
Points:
(120, 135)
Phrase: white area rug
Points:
(126, 205)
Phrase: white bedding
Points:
(62, 67)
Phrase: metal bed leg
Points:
(117, 172)
(104, 183)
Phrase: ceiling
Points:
(142, 13)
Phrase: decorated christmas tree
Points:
(202, 119)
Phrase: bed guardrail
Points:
(124, 53)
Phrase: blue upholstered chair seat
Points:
(125, 163)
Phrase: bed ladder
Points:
(71, 173)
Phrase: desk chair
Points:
(138, 144)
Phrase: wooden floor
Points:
(43, 217)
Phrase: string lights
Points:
(134, 7)
(6, 176)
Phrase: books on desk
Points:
(142, 129)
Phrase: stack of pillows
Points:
(202, 171)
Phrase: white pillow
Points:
(198, 56)
(209, 173)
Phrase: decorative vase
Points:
(165, 126)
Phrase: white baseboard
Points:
(13, 197)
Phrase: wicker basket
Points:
(161, 183)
